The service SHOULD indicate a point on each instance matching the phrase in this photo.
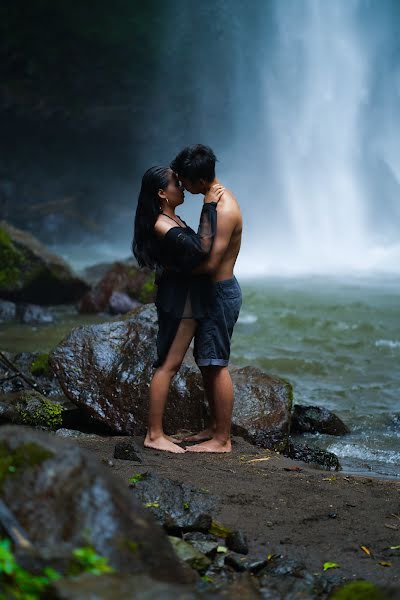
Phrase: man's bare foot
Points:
(162, 443)
(206, 434)
(211, 446)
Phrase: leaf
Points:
(222, 549)
(330, 565)
(219, 530)
(394, 547)
(385, 563)
(329, 478)
(366, 550)
(253, 460)
(152, 504)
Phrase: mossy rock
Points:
(11, 259)
(359, 590)
(13, 462)
(37, 410)
(40, 366)
(148, 289)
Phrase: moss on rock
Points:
(25, 456)
(35, 409)
(10, 260)
(359, 590)
(40, 365)
(148, 289)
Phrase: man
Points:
(195, 167)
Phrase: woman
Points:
(164, 242)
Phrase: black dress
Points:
(180, 293)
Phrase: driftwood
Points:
(10, 365)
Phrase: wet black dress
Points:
(181, 294)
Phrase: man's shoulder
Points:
(228, 205)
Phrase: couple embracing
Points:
(198, 295)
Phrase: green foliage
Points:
(17, 582)
(10, 261)
(359, 590)
(40, 366)
(21, 458)
(136, 477)
(86, 560)
(148, 289)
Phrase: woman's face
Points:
(174, 190)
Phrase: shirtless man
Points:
(195, 168)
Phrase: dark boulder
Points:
(30, 273)
(122, 282)
(8, 310)
(64, 499)
(32, 313)
(315, 419)
(107, 368)
(176, 506)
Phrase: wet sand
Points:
(310, 514)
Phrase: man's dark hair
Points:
(195, 162)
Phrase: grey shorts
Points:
(212, 340)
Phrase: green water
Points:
(338, 342)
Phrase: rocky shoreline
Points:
(274, 519)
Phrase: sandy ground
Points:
(309, 514)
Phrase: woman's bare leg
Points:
(159, 387)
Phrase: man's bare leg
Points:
(208, 432)
(223, 405)
(159, 388)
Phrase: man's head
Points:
(195, 167)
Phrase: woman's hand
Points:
(214, 193)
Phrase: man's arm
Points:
(225, 226)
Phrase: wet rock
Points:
(262, 407)
(237, 542)
(121, 587)
(32, 408)
(189, 554)
(107, 370)
(8, 311)
(244, 587)
(176, 506)
(65, 499)
(287, 578)
(205, 543)
(30, 273)
(120, 278)
(31, 313)
(315, 419)
(120, 303)
(127, 451)
(73, 433)
(36, 367)
(326, 459)
(242, 563)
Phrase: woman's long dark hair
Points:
(144, 243)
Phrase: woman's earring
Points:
(167, 200)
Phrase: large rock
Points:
(64, 499)
(30, 273)
(120, 286)
(108, 368)
(315, 419)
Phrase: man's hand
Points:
(214, 193)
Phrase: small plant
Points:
(86, 560)
(17, 582)
(136, 478)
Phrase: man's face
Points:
(191, 186)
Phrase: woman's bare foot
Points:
(211, 446)
(172, 439)
(206, 434)
(162, 443)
